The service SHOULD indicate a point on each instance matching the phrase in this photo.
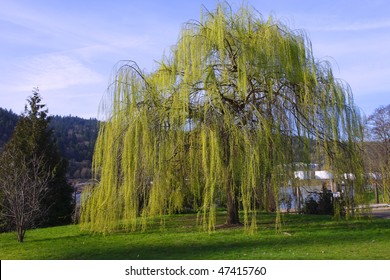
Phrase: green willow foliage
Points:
(214, 124)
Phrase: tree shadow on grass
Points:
(223, 244)
(214, 247)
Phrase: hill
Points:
(8, 120)
(75, 139)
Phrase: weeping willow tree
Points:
(215, 123)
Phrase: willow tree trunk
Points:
(232, 217)
(232, 205)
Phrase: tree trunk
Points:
(376, 193)
(298, 206)
(20, 232)
(232, 217)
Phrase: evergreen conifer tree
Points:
(32, 139)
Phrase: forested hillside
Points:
(75, 138)
(8, 120)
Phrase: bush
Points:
(319, 203)
(311, 205)
(325, 204)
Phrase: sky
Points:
(69, 48)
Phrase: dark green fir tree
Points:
(32, 138)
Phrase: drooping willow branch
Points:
(215, 125)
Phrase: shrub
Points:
(311, 205)
(320, 203)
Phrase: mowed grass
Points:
(302, 237)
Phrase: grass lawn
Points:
(302, 237)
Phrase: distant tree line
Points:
(75, 138)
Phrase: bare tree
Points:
(378, 150)
(23, 185)
(379, 128)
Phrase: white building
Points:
(323, 175)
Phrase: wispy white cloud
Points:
(55, 71)
(342, 25)
(68, 48)
(66, 31)
(367, 80)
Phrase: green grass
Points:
(302, 237)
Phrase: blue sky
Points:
(69, 48)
